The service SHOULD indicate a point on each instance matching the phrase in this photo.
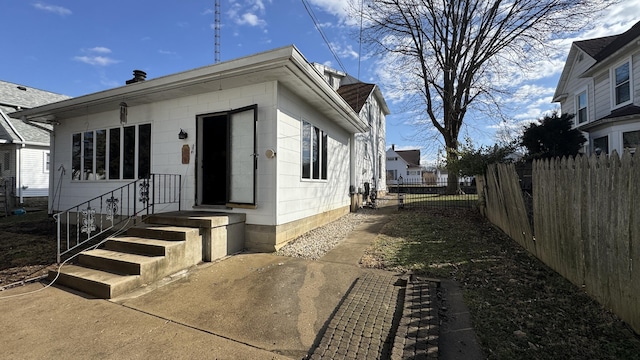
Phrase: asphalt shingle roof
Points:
(602, 48)
(412, 157)
(15, 96)
(356, 95)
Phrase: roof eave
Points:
(269, 66)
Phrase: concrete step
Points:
(141, 246)
(163, 232)
(101, 284)
(118, 262)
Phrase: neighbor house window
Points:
(601, 145)
(581, 107)
(631, 140)
(115, 154)
(314, 152)
(622, 84)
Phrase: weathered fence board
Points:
(586, 223)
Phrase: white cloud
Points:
(344, 51)
(250, 19)
(338, 8)
(62, 11)
(166, 52)
(100, 50)
(250, 12)
(96, 60)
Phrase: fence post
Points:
(400, 196)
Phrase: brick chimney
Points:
(138, 76)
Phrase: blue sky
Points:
(76, 47)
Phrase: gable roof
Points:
(601, 50)
(285, 65)
(16, 97)
(607, 48)
(594, 46)
(356, 95)
(619, 42)
(412, 157)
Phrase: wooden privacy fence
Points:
(586, 217)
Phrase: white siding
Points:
(34, 177)
(298, 198)
(576, 84)
(167, 118)
(602, 94)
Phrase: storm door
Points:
(226, 158)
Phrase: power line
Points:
(324, 37)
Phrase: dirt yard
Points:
(27, 246)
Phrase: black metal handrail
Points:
(81, 226)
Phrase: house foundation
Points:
(270, 238)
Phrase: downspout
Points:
(353, 190)
(18, 158)
(52, 153)
(19, 174)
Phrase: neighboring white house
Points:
(405, 164)
(368, 149)
(24, 147)
(600, 84)
(264, 135)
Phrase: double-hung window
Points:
(622, 83)
(314, 152)
(582, 114)
(122, 153)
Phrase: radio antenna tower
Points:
(216, 28)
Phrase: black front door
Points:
(226, 158)
(214, 160)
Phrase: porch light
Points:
(123, 113)
(182, 135)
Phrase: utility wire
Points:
(324, 37)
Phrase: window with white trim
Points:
(314, 152)
(582, 114)
(621, 84)
(122, 153)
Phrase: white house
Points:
(264, 135)
(24, 148)
(368, 148)
(600, 84)
(405, 164)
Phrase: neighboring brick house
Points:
(600, 85)
(405, 163)
(24, 148)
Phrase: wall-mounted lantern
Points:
(182, 135)
(123, 113)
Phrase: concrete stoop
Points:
(150, 251)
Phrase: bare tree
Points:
(455, 55)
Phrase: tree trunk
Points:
(453, 186)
